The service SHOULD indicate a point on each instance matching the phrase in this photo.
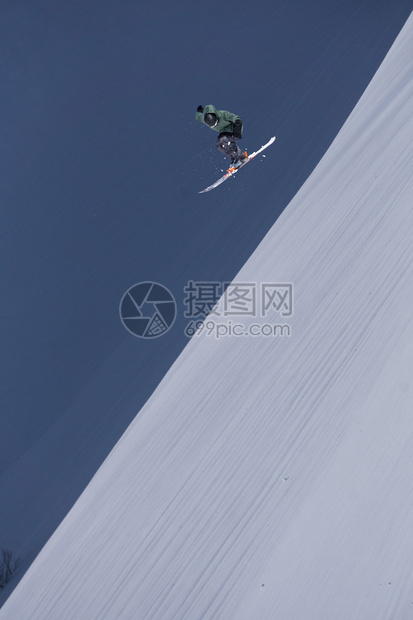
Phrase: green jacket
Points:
(226, 119)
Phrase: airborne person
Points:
(229, 128)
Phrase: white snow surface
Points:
(271, 477)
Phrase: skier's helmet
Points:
(210, 119)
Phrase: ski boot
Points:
(237, 162)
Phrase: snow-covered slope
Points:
(270, 476)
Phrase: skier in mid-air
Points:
(229, 128)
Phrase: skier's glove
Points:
(200, 109)
(237, 129)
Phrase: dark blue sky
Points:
(101, 161)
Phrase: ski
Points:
(231, 171)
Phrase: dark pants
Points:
(227, 145)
